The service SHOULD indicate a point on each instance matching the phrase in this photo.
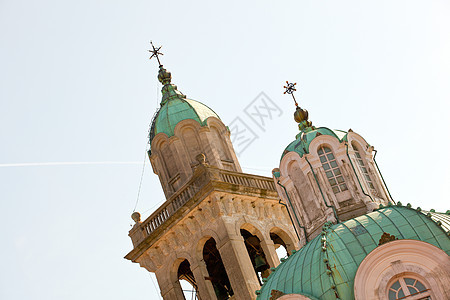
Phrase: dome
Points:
(175, 107)
(304, 138)
(342, 247)
(177, 110)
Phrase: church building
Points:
(326, 205)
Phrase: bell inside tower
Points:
(216, 270)
(256, 253)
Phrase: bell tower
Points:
(181, 130)
(219, 228)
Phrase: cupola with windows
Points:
(328, 175)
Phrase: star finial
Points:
(290, 89)
(155, 52)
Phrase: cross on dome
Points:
(155, 52)
(290, 89)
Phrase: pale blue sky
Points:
(77, 86)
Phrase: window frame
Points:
(336, 180)
(405, 289)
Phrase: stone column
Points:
(269, 250)
(205, 287)
(239, 268)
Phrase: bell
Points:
(260, 263)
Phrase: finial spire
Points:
(300, 115)
(290, 89)
(155, 52)
(169, 91)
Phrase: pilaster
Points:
(269, 250)
(205, 287)
(239, 268)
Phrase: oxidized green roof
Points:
(175, 107)
(304, 138)
(348, 243)
(179, 109)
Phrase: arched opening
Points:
(216, 271)
(187, 281)
(256, 253)
(284, 245)
(280, 246)
(191, 142)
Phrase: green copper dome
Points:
(305, 137)
(347, 244)
(175, 107)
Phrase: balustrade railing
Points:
(174, 203)
(243, 179)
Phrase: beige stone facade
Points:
(173, 158)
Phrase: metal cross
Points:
(155, 52)
(290, 89)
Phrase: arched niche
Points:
(187, 131)
(289, 158)
(354, 137)
(304, 200)
(395, 259)
(215, 122)
(157, 141)
(221, 144)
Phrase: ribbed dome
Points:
(177, 110)
(347, 244)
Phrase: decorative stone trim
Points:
(403, 257)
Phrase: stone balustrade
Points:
(206, 175)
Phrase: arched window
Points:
(363, 169)
(332, 170)
(407, 288)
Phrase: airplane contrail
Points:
(71, 163)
